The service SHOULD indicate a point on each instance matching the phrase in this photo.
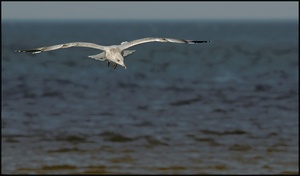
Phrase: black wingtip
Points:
(30, 51)
(34, 51)
(201, 41)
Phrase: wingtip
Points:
(202, 41)
(29, 51)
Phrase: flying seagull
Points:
(113, 53)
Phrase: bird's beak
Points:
(124, 65)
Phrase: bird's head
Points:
(114, 55)
(118, 59)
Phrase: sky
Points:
(137, 10)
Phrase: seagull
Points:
(112, 53)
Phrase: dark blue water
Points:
(230, 106)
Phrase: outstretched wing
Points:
(65, 45)
(152, 39)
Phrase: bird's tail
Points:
(127, 52)
(100, 57)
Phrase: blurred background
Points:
(226, 107)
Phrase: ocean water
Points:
(225, 107)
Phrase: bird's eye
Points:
(118, 60)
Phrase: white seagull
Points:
(112, 53)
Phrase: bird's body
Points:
(113, 53)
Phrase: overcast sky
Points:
(149, 10)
